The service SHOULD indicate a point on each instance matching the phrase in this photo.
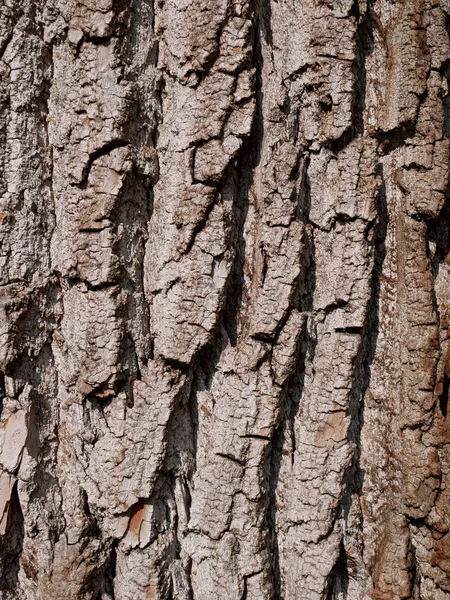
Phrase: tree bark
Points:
(225, 300)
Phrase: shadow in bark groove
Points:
(354, 477)
(438, 233)
(249, 158)
(233, 301)
(443, 398)
(11, 545)
(43, 420)
(446, 99)
(290, 404)
(109, 573)
(364, 47)
(16, 14)
(369, 333)
(339, 578)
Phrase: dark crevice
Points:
(342, 141)
(135, 211)
(231, 458)
(138, 374)
(307, 279)
(15, 15)
(265, 266)
(393, 139)
(415, 571)
(420, 522)
(98, 40)
(201, 381)
(334, 306)
(175, 581)
(248, 159)
(11, 544)
(254, 436)
(297, 381)
(304, 195)
(6, 43)
(446, 98)
(202, 222)
(133, 36)
(284, 434)
(443, 398)
(170, 591)
(95, 287)
(350, 330)
(354, 476)
(92, 529)
(446, 74)
(245, 584)
(31, 367)
(438, 234)
(277, 446)
(338, 578)
(266, 338)
(177, 365)
(364, 43)
(2, 390)
(263, 16)
(235, 288)
(244, 591)
(355, 11)
(218, 186)
(93, 230)
(369, 331)
(177, 469)
(107, 577)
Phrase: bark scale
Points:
(224, 315)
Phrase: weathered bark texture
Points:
(225, 299)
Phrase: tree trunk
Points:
(225, 300)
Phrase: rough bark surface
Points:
(224, 300)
